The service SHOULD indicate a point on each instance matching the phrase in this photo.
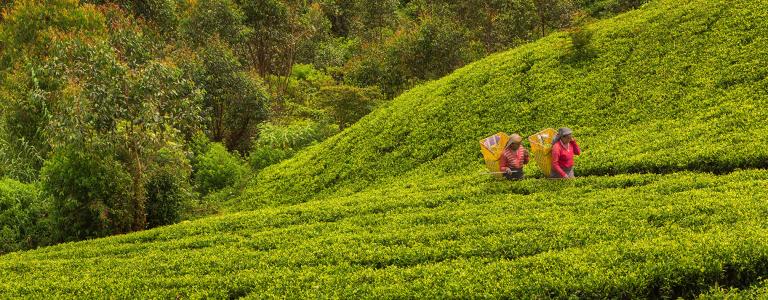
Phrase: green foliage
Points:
(263, 156)
(92, 194)
(30, 26)
(279, 142)
(18, 160)
(221, 18)
(610, 7)
(347, 104)
(335, 53)
(163, 15)
(133, 40)
(25, 222)
(271, 25)
(217, 169)
(581, 46)
(634, 236)
(293, 136)
(234, 102)
(168, 188)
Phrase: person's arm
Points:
(576, 149)
(556, 161)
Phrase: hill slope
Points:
(394, 206)
(674, 86)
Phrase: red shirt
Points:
(513, 159)
(562, 156)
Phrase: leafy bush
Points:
(217, 169)
(213, 18)
(262, 157)
(295, 135)
(25, 220)
(168, 187)
(347, 104)
(92, 194)
(280, 142)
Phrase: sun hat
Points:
(514, 138)
(564, 131)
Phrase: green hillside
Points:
(667, 102)
(667, 88)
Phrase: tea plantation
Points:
(668, 103)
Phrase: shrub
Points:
(24, 219)
(347, 104)
(264, 156)
(279, 142)
(167, 188)
(217, 169)
(92, 194)
(294, 136)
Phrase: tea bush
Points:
(638, 235)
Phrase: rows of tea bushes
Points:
(756, 291)
(666, 88)
(459, 236)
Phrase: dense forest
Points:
(118, 116)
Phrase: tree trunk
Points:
(139, 198)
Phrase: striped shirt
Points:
(513, 159)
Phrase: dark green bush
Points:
(167, 188)
(92, 194)
(217, 169)
(24, 217)
(347, 104)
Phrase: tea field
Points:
(667, 101)
(619, 236)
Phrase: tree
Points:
(270, 29)
(553, 13)
(220, 18)
(347, 104)
(375, 17)
(234, 101)
(341, 14)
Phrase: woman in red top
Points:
(564, 147)
(514, 157)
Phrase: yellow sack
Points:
(492, 148)
(541, 147)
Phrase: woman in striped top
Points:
(514, 157)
